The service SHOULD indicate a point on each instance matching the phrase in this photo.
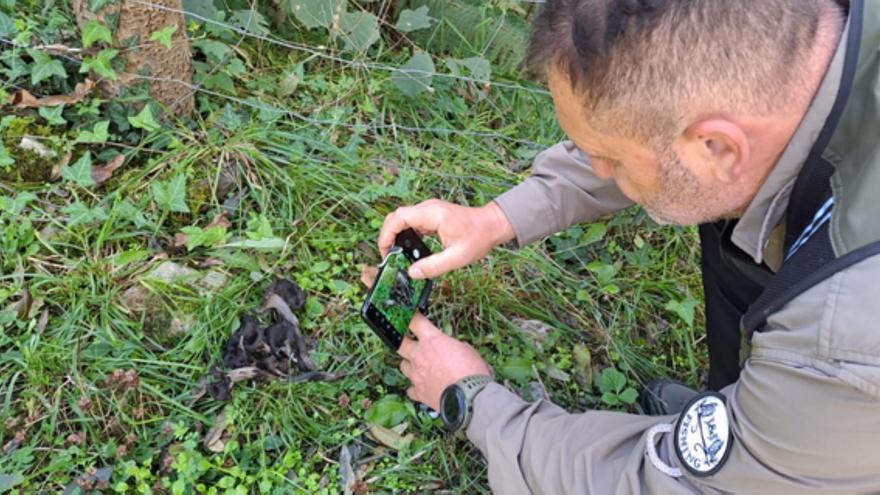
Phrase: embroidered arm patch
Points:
(702, 434)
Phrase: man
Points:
(760, 121)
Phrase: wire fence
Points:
(324, 53)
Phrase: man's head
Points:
(687, 104)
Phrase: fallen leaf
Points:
(180, 239)
(389, 437)
(56, 169)
(43, 321)
(347, 476)
(213, 440)
(219, 220)
(24, 99)
(368, 275)
(102, 173)
(23, 307)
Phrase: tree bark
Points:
(168, 70)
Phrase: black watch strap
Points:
(468, 388)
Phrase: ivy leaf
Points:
(93, 32)
(53, 114)
(316, 13)
(410, 20)
(100, 64)
(210, 237)
(144, 120)
(44, 67)
(96, 5)
(171, 195)
(80, 172)
(126, 210)
(164, 35)
(359, 30)
(7, 26)
(684, 309)
(415, 76)
(5, 159)
(97, 135)
(78, 214)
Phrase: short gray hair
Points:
(641, 65)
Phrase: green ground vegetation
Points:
(298, 150)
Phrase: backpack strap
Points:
(806, 267)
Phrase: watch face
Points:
(452, 406)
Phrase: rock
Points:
(171, 272)
(213, 280)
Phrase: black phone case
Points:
(414, 249)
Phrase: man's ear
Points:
(719, 145)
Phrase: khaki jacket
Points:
(805, 414)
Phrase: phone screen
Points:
(395, 295)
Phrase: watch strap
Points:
(471, 386)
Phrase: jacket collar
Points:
(758, 226)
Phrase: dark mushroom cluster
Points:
(277, 347)
(276, 351)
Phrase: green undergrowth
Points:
(89, 382)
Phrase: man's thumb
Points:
(433, 266)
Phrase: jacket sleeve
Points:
(562, 191)
(804, 416)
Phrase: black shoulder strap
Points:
(808, 267)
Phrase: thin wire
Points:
(350, 63)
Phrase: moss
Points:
(28, 166)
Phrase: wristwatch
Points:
(456, 403)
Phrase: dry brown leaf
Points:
(389, 437)
(102, 173)
(23, 307)
(180, 239)
(43, 321)
(213, 438)
(368, 275)
(24, 99)
(56, 170)
(219, 220)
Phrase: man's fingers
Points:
(438, 263)
(422, 327)
(368, 275)
(407, 348)
(424, 217)
(411, 393)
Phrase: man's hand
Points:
(435, 361)
(467, 234)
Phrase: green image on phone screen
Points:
(396, 295)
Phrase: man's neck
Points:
(776, 131)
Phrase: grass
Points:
(618, 293)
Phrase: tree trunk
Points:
(134, 23)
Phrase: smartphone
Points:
(395, 297)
